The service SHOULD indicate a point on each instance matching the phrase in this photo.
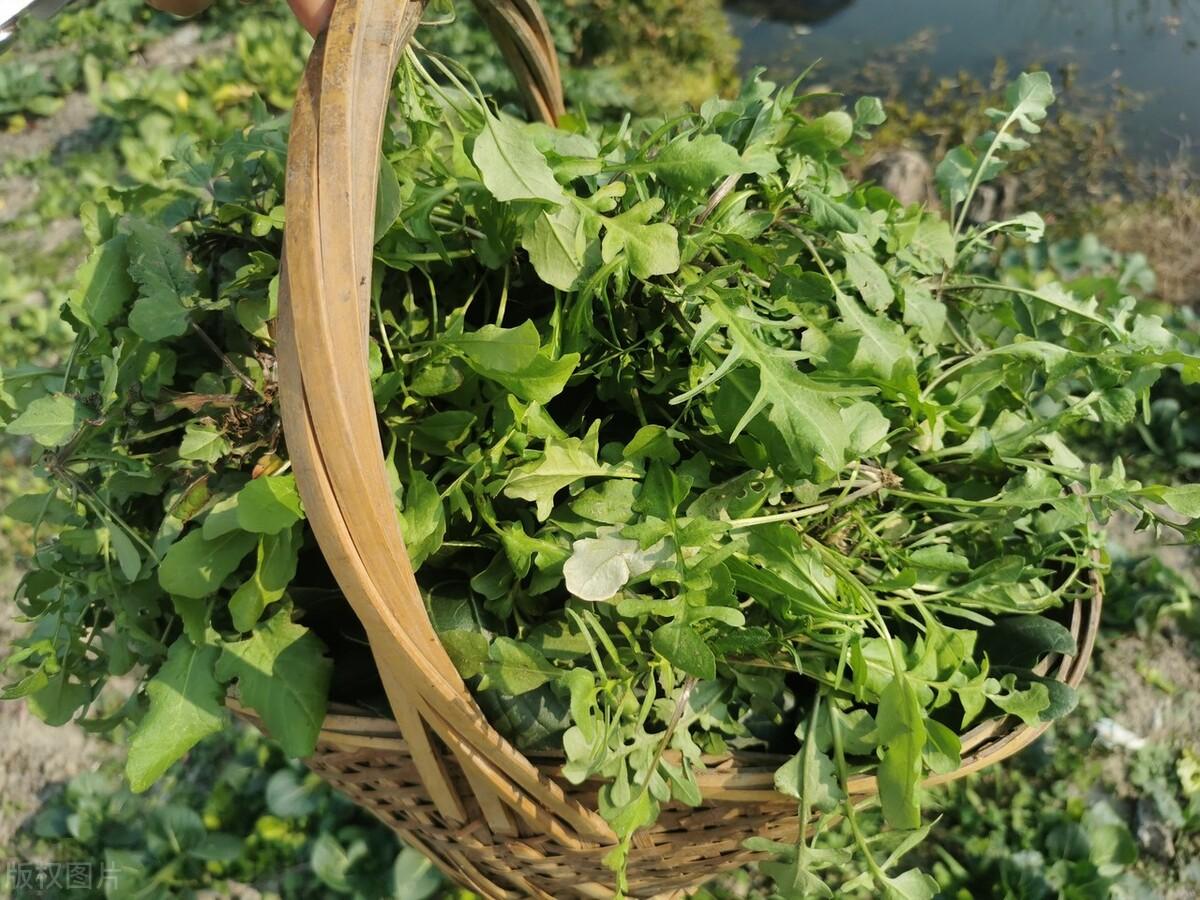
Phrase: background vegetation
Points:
(1108, 804)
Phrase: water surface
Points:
(1151, 47)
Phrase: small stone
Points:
(905, 174)
(1154, 835)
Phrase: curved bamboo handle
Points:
(329, 413)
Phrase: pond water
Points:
(1151, 47)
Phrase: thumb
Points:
(313, 14)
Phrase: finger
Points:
(313, 14)
(181, 7)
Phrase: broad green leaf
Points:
(498, 349)
(275, 568)
(468, 650)
(925, 313)
(128, 558)
(943, 750)
(164, 282)
(415, 877)
(514, 668)
(50, 421)
(1023, 640)
(600, 567)
(221, 518)
(1026, 703)
(58, 701)
(185, 707)
(866, 427)
(510, 163)
(290, 796)
(608, 502)
(1184, 499)
(269, 504)
(694, 163)
(103, 287)
(203, 443)
(912, 884)
(196, 567)
(820, 780)
(882, 343)
(159, 318)
(424, 519)
(650, 249)
(939, 559)
(388, 202)
(901, 732)
(540, 381)
(826, 132)
(1028, 99)
(807, 420)
(869, 111)
(563, 463)
(830, 213)
(283, 674)
(330, 863)
(869, 280)
(1063, 700)
(678, 643)
(953, 175)
(556, 242)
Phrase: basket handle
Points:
(329, 414)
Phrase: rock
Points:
(1116, 736)
(994, 201)
(905, 174)
(1154, 835)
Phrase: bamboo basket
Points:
(495, 821)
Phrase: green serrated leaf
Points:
(563, 463)
(283, 674)
(695, 163)
(651, 249)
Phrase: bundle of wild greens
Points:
(698, 448)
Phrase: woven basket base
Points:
(686, 847)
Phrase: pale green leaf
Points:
(203, 443)
(185, 707)
(510, 163)
(50, 420)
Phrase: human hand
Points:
(313, 14)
